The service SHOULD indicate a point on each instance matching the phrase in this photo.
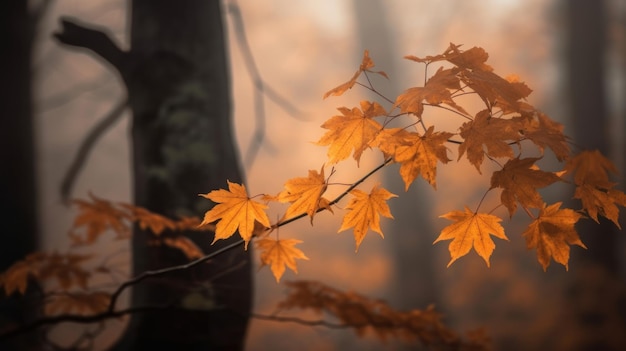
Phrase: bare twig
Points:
(87, 145)
(261, 87)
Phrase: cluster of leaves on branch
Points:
(505, 132)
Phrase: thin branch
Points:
(310, 323)
(87, 145)
(147, 274)
(261, 88)
(341, 196)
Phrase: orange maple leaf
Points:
(545, 132)
(471, 230)
(280, 253)
(98, 216)
(437, 90)
(15, 278)
(185, 245)
(419, 155)
(305, 194)
(520, 179)
(146, 219)
(494, 133)
(365, 210)
(235, 210)
(366, 64)
(355, 130)
(495, 90)
(593, 187)
(552, 233)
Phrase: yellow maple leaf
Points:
(471, 230)
(494, 133)
(420, 154)
(280, 253)
(520, 181)
(552, 233)
(305, 194)
(354, 130)
(366, 64)
(235, 210)
(365, 210)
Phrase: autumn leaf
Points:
(97, 216)
(419, 155)
(305, 194)
(494, 133)
(366, 64)
(146, 219)
(471, 230)
(364, 314)
(67, 269)
(16, 277)
(545, 132)
(591, 167)
(437, 90)
(235, 210)
(365, 210)
(495, 90)
(278, 254)
(552, 233)
(185, 245)
(520, 180)
(82, 303)
(354, 130)
(593, 187)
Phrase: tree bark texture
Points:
(176, 74)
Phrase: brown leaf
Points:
(520, 181)
(552, 233)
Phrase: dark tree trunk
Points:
(18, 208)
(176, 75)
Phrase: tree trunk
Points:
(176, 74)
(18, 209)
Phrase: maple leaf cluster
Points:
(364, 314)
(504, 131)
(65, 277)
